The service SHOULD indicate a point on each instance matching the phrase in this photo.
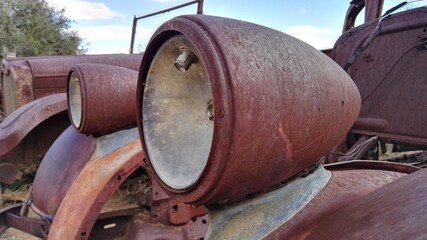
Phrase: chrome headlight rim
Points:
(223, 116)
(75, 98)
(177, 131)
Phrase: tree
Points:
(33, 28)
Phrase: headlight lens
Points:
(75, 100)
(177, 114)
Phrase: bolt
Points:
(209, 111)
(185, 59)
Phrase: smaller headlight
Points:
(75, 100)
(101, 98)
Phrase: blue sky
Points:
(105, 25)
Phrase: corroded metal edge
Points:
(17, 125)
(91, 189)
(108, 143)
(256, 218)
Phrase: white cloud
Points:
(318, 37)
(113, 38)
(111, 32)
(302, 10)
(86, 10)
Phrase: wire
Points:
(391, 69)
(373, 35)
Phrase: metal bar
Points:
(135, 19)
(9, 217)
(132, 39)
(168, 9)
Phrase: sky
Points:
(105, 25)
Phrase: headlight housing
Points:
(227, 108)
(101, 98)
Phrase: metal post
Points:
(200, 7)
(132, 39)
(135, 19)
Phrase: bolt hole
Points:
(83, 234)
(318, 109)
(204, 221)
(424, 30)
(119, 177)
(342, 104)
(209, 111)
(175, 207)
(156, 193)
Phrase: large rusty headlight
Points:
(101, 98)
(227, 108)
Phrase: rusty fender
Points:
(63, 162)
(75, 163)
(290, 212)
(91, 189)
(17, 125)
(395, 211)
(24, 138)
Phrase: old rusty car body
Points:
(243, 132)
(33, 107)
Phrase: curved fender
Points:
(91, 189)
(395, 211)
(18, 124)
(62, 163)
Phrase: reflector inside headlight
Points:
(177, 114)
(75, 100)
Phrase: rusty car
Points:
(239, 131)
(33, 107)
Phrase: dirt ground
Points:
(14, 234)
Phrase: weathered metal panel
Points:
(344, 188)
(16, 126)
(52, 73)
(91, 189)
(390, 75)
(256, 218)
(16, 85)
(60, 166)
(395, 211)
